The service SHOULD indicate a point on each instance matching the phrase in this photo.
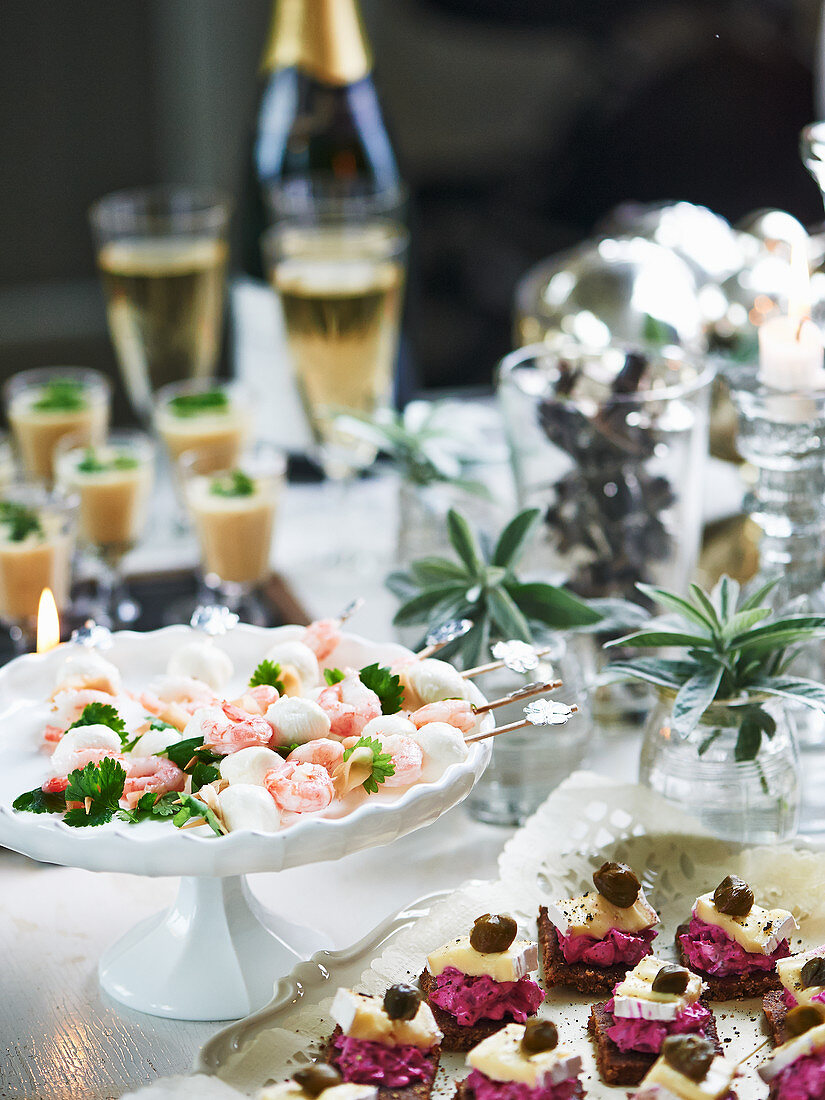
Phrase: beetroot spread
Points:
(616, 947)
(648, 1035)
(368, 1063)
(792, 1002)
(708, 948)
(803, 1080)
(484, 1088)
(471, 999)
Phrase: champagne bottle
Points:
(318, 112)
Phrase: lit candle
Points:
(48, 623)
(791, 347)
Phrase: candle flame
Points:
(48, 623)
(799, 291)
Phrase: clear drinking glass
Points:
(113, 483)
(337, 263)
(233, 511)
(46, 404)
(37, 532)
(162, 255)
(211, 419)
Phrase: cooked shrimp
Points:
(322, 637)
(455, 712)
(349, 705)
(53, 733)
(84, 745)
(407, 758)
(69, 704)
(150, 773)
(187, 691)
(226, 728)
(300, 788)
(173, 713)
(324, 751)
(385, 725)
(256, 700)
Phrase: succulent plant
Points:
(736, 651)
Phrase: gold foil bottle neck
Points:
(323, 38)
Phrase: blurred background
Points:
(517, 124)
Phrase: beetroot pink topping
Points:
(484, 1088)
(803, 1080)
(471, 999)
(616, 947)
(792, 1002)
(648, 1035)
(368, 1063)
(709, 948)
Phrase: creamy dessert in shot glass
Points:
(49, 403)
(36, 545)
(210, 419)
(113, 483)
(233, 512)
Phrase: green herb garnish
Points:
(22, 521)
(102, 784)
(193, 807)
(285, 750)
(235, 484)
(91, 464)
(333, 676)
(385, 684)
(183, 752)
(382, 765)
(196, 404)
(102, 714)
(152, 805)
(268, 673)
(39, 801)
(61, 395)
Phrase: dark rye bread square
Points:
(733, 987)
(421, 1090)
(775, 1009)
(464, 1092)
(627, 1067)
(457, 1037)
(582, 976)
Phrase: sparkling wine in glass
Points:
(162, 257)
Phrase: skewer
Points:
(443, 635)
(542, 712)
(352, 607)
(193, 822)
(469, 673)
(87, 802)
(522, 693)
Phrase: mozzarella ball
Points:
(430, 681)
(246, 806)
(387, 725)
(202, 661)
(442, 745)
(155, 741)
(299, 664)
(76, 740)
(295, 721)
(205, 721)
(249, 766)
(87, 668)
(181, 689)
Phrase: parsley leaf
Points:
(22, 520)
(195, 404)
(102, 714)
(387, 687)
(333, 676)
(152, 805)
(61, 395)
(92, 464)
(234, 484)
(382, 765)
(269, 673)
(203, 774)
(285, 750)
(182, 752)
(39, 801)
(101, 783)
(193, 807)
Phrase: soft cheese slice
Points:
(363, 1017)
(593, 915)
(501, 1058)
(810, 1042)
(634, 999)
(291, 1090)
(502, 966)
(790, 974)
(760, 932)
(716, 1084)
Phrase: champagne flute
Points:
(337, 262)
(113, 483)
(162, 256)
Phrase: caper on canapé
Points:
(317, 1077)
(618, 884)
(539, 1035)
(733, 897)
(401, 1001)
(690, 1055)
(671, 979)
(493, 933)
(802, 1018)
(813, 973)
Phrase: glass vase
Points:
(749, 801)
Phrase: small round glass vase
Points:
(747, 801)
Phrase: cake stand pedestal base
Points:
(215, 954)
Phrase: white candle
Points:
(791, 349)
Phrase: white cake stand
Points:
(216, 953)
